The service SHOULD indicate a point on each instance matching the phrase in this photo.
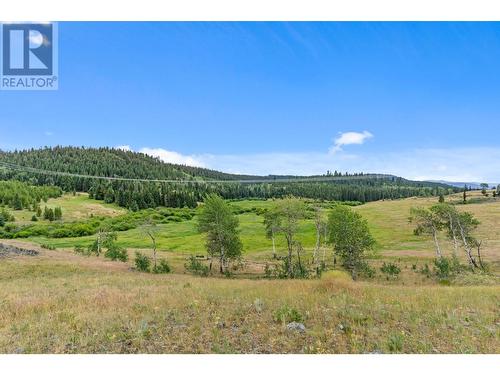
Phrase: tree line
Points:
(18, 195)
(108, 162)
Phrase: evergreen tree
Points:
(57, 213)
(17, 204)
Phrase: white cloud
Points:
(349, 138)
(474, 164)
(173, 157)
(457, 164)
(168, 156)
(48, 133)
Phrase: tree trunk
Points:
(454, 236)
(436, 242)
(99, 242)
(318, 241)
(154, 251)
(274, 247)
(298, 256)
(221, 261)
(290, 249)
(468, 251)
(479, 255)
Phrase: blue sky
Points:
(420, 100)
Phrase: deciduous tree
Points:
(350, 237)
(289, 211)
(220, 224)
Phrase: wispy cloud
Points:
(349, 138)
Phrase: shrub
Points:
(446, 268)
(116, 252)
(162, 267)
(299, 270)
(269, 272)
(286, 314)
(425, 270)
(47, 246)
(391, 270)
(142, 262)
(5, 216)
(196, 267)
(34, 218)
(366, 271)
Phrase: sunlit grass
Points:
(64, 303)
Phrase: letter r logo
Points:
(27, 49)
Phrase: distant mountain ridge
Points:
(473, 185)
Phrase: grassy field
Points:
(74, 208)
(388, 221)
(61, 302)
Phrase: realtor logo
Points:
(29, 56)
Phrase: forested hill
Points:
(109, 162)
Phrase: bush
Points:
(425, 270)
(286, 314)
(299, 271)
(47, 246)
(162, 267)
(196, 267)
(5, 216)
(446, 268)
(391, 270)
(142, 262)
(269, 272)
(116, 252)
(366, 271)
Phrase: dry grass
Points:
(388, 221)
(60, 302)
(63, 303)
(74, 208)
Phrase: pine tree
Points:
(50, 214)
(57, 213)
(17, 203)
